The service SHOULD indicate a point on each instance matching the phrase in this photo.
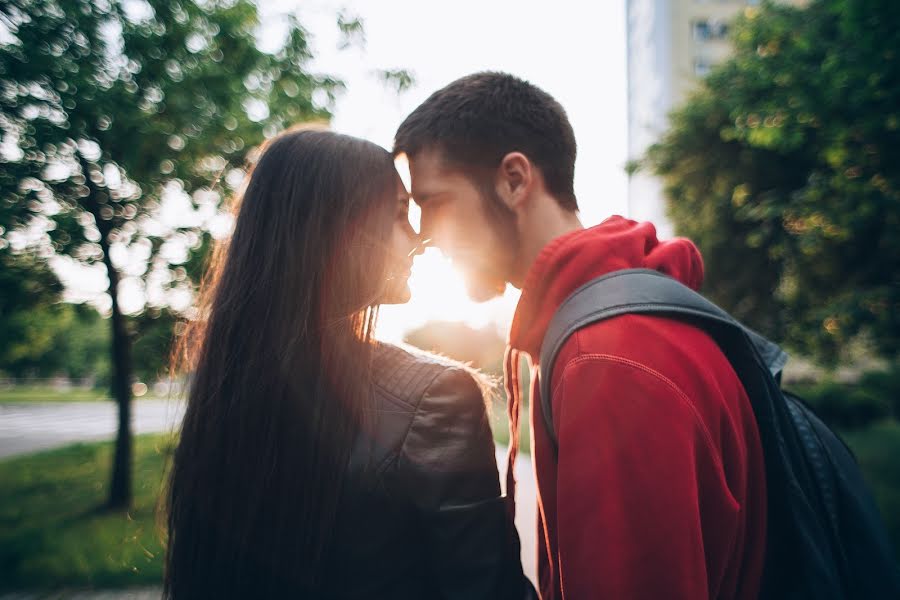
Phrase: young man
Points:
(657, 488)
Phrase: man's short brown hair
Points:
(478, 119)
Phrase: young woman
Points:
(314, 462)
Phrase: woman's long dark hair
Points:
(280, 363)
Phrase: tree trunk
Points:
(120, 489)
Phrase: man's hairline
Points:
(475, 174)
(471, 171)
(446, 164)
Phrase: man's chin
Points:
(483, 290)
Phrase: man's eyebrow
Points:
(426, 196)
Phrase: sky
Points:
(574, 50)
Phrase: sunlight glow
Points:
(439, 291)
(401, 163)
(439, 294)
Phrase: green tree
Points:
(107, 109)
(29, 292)
(153, 342)
(40, 335)
(783, 168)
(82, 344)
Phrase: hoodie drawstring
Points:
(513, 393)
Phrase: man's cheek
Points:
(441, 233)
(426, 225)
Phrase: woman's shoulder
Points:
(411, 375)
(446, 457)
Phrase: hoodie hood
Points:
(573, 259)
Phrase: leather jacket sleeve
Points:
(449, 464)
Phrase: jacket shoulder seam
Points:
(393, 396)
(418, 407)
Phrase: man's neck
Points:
(544, 223)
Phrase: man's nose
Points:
(431, 233)
(421, 244)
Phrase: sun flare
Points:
(439, 294)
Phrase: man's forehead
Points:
(429, 161)
(431, 174)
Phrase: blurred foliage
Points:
(783, 168)
(353, 35)
(481, 348)
(352, 30)
(40, 336)
(853, 406)
(110, 104)
(887, 383)
(399, 80)
(81, 346)
(28, 292)
(153, 343)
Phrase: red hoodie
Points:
(658, 488)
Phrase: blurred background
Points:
(764, 131)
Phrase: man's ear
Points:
(515, 177)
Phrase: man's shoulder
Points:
(675, 350)
(640, 336)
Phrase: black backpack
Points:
(825, 538)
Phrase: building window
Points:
(702, 67)
(704, 30)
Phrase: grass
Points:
(50, 394)
(53, 536)
(27, 394)
(53, 533)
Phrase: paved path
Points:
(30, 427)
(526, 509)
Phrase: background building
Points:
(671, 45)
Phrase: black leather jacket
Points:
(422, 515)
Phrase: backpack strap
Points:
(638, 291)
